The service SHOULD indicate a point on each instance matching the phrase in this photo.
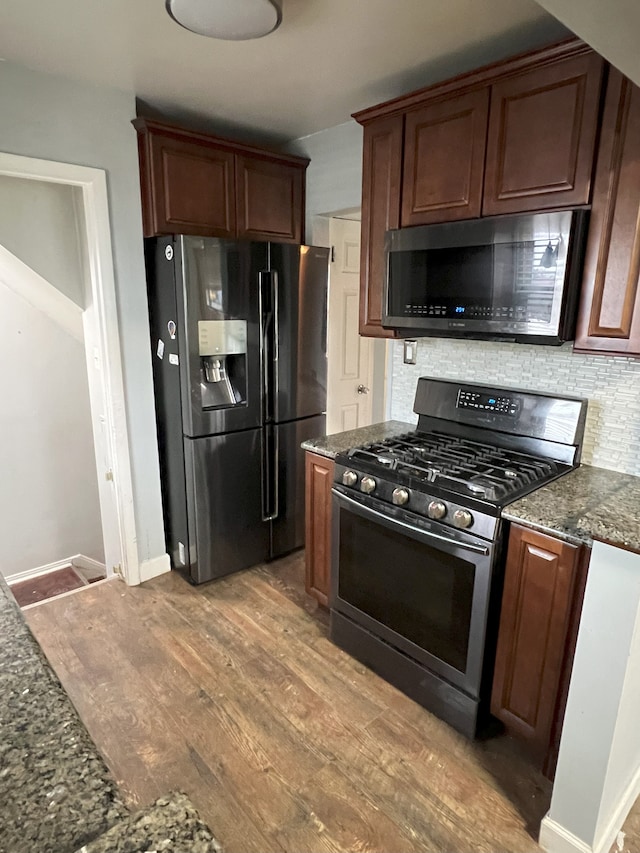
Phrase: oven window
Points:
(416, 590)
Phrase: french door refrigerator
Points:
(240, 374)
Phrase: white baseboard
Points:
(154, 567)
(554, 838)
(39, 570)
(77, 560)
(606, 838)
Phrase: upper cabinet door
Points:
(381, 177)
(269, 200)
(444, 153)
(192, 188)
(542, 132)
(609, 319)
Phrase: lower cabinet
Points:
(543, 590)
(319, 478)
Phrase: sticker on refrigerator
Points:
(160, 348)
(168, 253)
(173, 358)
(171, 328)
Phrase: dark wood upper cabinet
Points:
(381, 177)
(515, 136)
(543, 588)
(542, 134)
(179, 172)
(196, 183)
(269, 200)
(444, 150)
(609, 318)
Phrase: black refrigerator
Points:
(238, 334)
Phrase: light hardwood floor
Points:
(233, 693)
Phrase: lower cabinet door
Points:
(319, 478)
(543, 587)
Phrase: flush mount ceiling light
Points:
(234, 20)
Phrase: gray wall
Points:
(599, 758)
(53, 118)
(334, 176)
(39, 225)
(49, 491)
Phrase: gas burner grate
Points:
(463, 466)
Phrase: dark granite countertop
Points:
(56, 793)
(331, 445)
(586, 504)
(55, 790)
(170, 825)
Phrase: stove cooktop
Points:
(457, 466)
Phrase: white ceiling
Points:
(328, 58)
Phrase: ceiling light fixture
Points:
(234, 20)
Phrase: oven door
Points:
(421, 588)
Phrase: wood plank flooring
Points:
(233, 693)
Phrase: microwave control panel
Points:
(499, 404)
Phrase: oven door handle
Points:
(368, 511)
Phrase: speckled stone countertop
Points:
(170, 825)
(331, 445)
(56, 793)
(586, 504)
(55, 790)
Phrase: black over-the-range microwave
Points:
(513, 278)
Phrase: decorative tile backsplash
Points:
(611, 384)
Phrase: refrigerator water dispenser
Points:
(222, 346)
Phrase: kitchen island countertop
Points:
(586, 504)
(331, 445)
(56, 792)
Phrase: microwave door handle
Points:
(417, 532)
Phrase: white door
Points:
(350, 357)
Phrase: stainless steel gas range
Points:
(417, 554)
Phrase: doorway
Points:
(356, 370)
(96, 323)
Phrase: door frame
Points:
(102, 345)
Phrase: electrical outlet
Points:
(410, 351)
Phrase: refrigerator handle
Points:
(270, 459)
(267, 343)
(276, 336)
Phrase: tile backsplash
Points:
(611, 384)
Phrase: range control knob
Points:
(367, 485)
(462, 518)
(400, 497)
(349, 478)
(437, 509)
